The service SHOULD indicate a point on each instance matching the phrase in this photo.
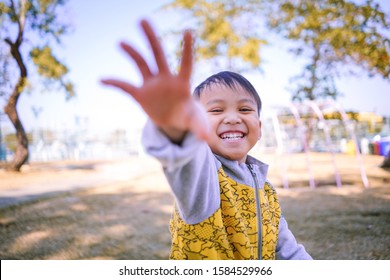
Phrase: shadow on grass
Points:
(340, 223)
(130, 221)
(88, 225)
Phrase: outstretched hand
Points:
(166, 97)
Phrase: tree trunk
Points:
(21, 155)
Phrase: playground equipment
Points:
(304, 117)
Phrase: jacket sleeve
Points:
(287, 247)
(191, 171)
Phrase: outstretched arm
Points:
(166, 97)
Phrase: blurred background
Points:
(322, 69)
(288, 56)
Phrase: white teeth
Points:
(232, 135)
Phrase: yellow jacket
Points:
(232, 231)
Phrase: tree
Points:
(331, 35)
(334, 34)
(223, 31)
(29, 29)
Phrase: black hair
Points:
(230, 79)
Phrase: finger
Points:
(126, 87)
(157, 49)
(138, 59)
(187, 57)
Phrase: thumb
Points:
(126, 87)
(199, 123)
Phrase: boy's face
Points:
(234, 120)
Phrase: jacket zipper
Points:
(258, 210)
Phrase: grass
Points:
(129, 219)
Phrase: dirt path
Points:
(120, 210)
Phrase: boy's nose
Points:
(232, 119)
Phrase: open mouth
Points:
(232, 135)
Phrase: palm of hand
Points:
(165, 98)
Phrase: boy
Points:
(224, 206)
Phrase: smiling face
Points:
(234, 120)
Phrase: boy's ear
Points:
(260, 129)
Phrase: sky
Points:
(91, 52)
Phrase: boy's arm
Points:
(176, 117)
(166, 97)
(191, 170)
(287, 247)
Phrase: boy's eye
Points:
(246, 109)
(215, 110)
